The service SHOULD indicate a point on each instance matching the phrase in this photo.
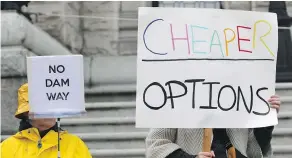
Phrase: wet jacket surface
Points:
(29, 144)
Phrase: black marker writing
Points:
(55, 69)
(262, 99)
(194, 89)
(171, 97)
(57, 96)
(51, 83)
(236, 98)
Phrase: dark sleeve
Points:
(264, 136)
(219, 149)
(179, 153)
(220, 142)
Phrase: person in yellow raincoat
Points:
(38, 138)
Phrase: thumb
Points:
(213, 154)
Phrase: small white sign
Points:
(205, 68)
(56, 86)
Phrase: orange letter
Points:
(228, 41)
(261, 38)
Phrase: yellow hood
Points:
(23, 105)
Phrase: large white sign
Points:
(205, 68)
(56, 86)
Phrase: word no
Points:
(58, 83)
(237, 96)
(195, 41)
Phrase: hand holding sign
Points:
(206, 155)
(56, 86)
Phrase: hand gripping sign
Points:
(56, 86)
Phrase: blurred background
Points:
(105, 33)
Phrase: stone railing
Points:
(17, 30)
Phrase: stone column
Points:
(71, 33)
(83, 27)
(100, 33)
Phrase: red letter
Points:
(187, 38)
(242, 39)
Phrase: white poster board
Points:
(205, 68)
(56, 86)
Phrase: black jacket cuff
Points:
(179, 153)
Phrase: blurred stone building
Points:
(105, 33)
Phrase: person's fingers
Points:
(275, 102)
(273, 99)
(277, 98)
(213, 154)
(275, 107)
(206, 154)
(274, 96)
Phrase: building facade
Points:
(110, 28)
(105, 32)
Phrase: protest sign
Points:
(56, 86)
(205, 68)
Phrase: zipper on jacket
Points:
(40, 143)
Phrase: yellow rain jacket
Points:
(28, 144)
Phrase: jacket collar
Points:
(33, 134)
(48, 141)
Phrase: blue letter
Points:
(145, 41)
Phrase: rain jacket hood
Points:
(23, 106)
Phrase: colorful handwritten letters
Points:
(205, 68)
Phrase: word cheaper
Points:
(230, 36)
